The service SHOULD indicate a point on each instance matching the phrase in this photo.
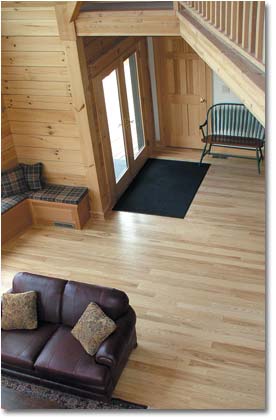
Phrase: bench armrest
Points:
(201, 127)
(113, 348)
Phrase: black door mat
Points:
(163, 188)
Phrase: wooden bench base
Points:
(31, 211)
(15, 220)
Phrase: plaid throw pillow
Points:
(13, 182)
(33, 175)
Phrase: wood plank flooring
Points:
(197, 286)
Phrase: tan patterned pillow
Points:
(19, 311)
(93, 327)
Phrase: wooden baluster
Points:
(217, 14)
(213, 14)
(239, 22)
(222, 15)
(208, 10)
(228, 18)
(200, 7)
(204, 11)
(252, 26)
(234, 8)
(245, 25)
(260, 30)
(175, 5)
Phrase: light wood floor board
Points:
(197, 285)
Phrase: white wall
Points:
(221, 92)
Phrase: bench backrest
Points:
(233, 120)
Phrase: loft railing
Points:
(240, 22)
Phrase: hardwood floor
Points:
(197, 286)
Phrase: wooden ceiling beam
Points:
(73, 8)
(128, 23)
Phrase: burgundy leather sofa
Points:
(50, 354)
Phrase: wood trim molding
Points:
(73, 9)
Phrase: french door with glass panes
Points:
(121, 121)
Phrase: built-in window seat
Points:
(54, 204)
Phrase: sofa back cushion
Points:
(49, 294)
(77, 296)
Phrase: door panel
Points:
(121, 117)
(183, 82)
(134, 105)
(115, 124)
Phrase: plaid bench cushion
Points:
(59, 194)
(8, 202)
(33, 175)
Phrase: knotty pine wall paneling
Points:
(8, 153)
(37, 92)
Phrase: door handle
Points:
(202, 100)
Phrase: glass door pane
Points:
(134, 104)
(115, 124)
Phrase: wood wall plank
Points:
(47, 154)
(45, 129)
(19, 87)
(37, 115)
(23, 13)
(47, 74)
(8, 153)
(46, 142)
(29, 58)
(39, 102)
(31, 43)
(29, 28)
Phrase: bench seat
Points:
(55, 204)
(233, 141)
(8, 203)
(59, 194)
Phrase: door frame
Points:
(134, 165)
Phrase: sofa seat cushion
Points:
(9, 202)
(64, 358)
(59, 194)
(21, 347)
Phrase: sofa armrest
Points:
(113, 347)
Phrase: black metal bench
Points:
(232, 126)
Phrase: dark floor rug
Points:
(62, 399)
(163, 188)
